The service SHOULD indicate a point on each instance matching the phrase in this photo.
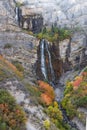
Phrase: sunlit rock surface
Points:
(65, 13)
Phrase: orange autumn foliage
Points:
(77, 82)
(10, 66)
(47, 95)
(46, 99)
(84, 74)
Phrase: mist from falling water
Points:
(16, 12)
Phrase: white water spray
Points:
(43, 66)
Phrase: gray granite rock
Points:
(64, 13)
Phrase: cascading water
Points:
(43, 66)
(17, 14)
(50, 63)
(46, 67)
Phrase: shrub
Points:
(47, 91)
(54, 33)
(3, 74)
(46, 99)
(69, 88)
(77, 82)
(30, 32)
(81, 102)
(34, 93)
(7, 46)
(11, 115)
(9, 68)
(47, 124)
(68, 106)
(54, 112)
(19, 4)
(18, 66)
(44, 30)
(75, 95)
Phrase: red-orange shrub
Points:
(11, 114)
(47, 95)
(46, 99)
(84, 74)
(77, 82)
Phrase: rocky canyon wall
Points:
(69, 13)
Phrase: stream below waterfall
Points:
(59, 90)
(59, 87)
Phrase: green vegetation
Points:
(85, 69)
(34, 93)
(7, 46)
(19, 4)
(18, 66)
(54, 34)
(8, 70)
(56, 117)
(54, 113)
(3, 75)
(43, 94)
(82, 101)
(75, 96)
(12, 116)
(47, 124)
(51, 107)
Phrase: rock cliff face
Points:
(59, 57)
(74, 52)
(23, 48)
(67, 13)
(7, 15)
(31, 22)
(49, 64)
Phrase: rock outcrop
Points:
(73, 52)
(31, 22)
(67, 55)
(64, 13)
(11, 34)
(23, 48)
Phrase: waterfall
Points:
(43, 66)
(46, 68)
(17, 14)
(50, 63)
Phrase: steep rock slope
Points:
(9, 80)
(7, 15)
(65, 13)
(10, 33)
(16, 45)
